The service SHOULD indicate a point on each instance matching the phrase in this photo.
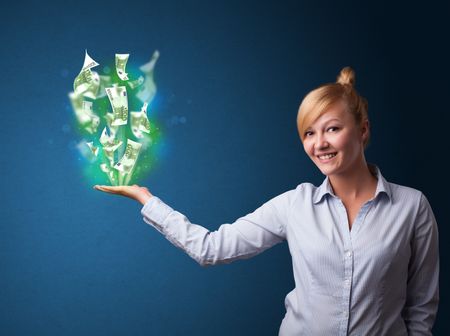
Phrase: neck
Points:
(355, 183)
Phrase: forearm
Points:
(242, 239)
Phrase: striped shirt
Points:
(379, 278)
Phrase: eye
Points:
(332, 129)
(308, 133)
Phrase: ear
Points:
(365, 130)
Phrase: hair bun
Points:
(346, 76)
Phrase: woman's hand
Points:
(140, 194)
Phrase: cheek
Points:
(307, 148)
(341, 140)
(349, 144)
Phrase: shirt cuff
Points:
(156, 211)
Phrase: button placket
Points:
(346, 288)
(347, 257)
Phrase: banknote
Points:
(108, 140)
(109, 146)
(136, 83)
(140, 122)
(129, 158)
(87, 83)
(109, 116)
(86, 118)
(109, 152)
(93, 119)
(111, 173)
(148, 89)
(88, 62)
(121, 63)
(119, 102)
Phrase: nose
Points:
(321, 142)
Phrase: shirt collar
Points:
(382, 186)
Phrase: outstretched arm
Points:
(246, 237)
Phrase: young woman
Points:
(364, 250)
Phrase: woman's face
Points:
(334, 142)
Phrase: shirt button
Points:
(347, 282)
(349, 254)
(345, 313)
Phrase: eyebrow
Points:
(326, 122)
(334, 119)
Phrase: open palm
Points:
(140, 194)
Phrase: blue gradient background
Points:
(79, 262)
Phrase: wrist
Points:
(144, 199)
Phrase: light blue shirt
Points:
(379, 278)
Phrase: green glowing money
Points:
(126, 136)
(128, 160)
(109, 120)
(119, 102)
(140, 122)
(87, 83)
(121, 63)
(136, 83)
(110, 145)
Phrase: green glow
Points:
(151, 142)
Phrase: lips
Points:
(327, 156)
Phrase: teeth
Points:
(328, 156)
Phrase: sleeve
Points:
(246, 237)
(422, 298)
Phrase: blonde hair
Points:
(319, 100)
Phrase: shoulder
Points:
(306, 189)
(416, 203)
(403, 194)
(302, 190)
(399, 189)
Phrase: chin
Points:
(326, 170)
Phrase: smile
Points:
(327, 157)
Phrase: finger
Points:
(101, 188)
(109, 189)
